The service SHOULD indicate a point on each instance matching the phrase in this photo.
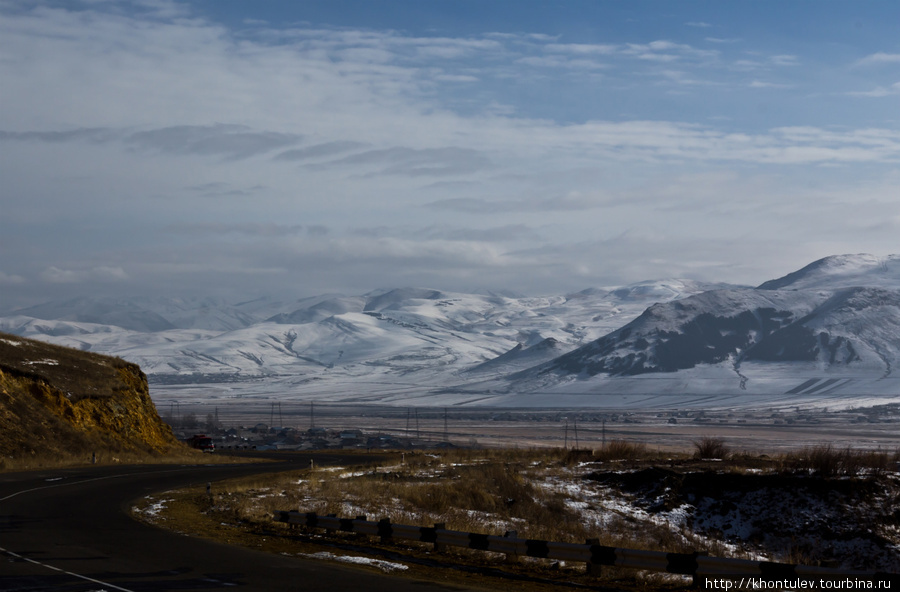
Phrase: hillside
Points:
(60, 402)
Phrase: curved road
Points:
(70, 530)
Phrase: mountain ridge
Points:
(402, 344)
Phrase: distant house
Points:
(351, 437)
(318, 444)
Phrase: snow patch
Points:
(385, 566)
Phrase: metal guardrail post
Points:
(439, 547)
(312, 521)
(513, 556)
(353, 527)
(685, 564)
(384, 529)
(591, 568)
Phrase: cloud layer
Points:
(148, 147)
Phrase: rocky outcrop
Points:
(61, 401)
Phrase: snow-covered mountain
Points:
(404, 329)
(852, 326)
(842, 271)
(157, 314)
(819, 329)
(831, 327)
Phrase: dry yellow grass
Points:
(488, 491)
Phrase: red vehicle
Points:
(202, 442)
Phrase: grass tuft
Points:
(825, 460)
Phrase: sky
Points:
(234, 149)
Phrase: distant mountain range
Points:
(831, 329)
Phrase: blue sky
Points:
(235, 148)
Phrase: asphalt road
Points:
(70, 530)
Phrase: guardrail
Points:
(591, 553)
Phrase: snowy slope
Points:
(518, 358)
(128, 314)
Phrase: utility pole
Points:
(604, 433)
(566, 441)
(446, 436)
(575, 424)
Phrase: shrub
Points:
(710, 447)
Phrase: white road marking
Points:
(12, 495)
(74, 575)
(69, 573)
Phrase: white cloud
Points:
(456, 78)
(651, 51)
(560, 62)
(785, 60)
(747, 65)
(880, 58)
(878, 92)
(56, 275)
(762, 84)
(10, 279)
(582, 48)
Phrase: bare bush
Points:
(711, 448)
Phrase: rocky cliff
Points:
(59, 401)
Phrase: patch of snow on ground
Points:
(490, 521)
(601, 506)
(385, 566)
(154, 510)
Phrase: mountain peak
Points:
(841, 271)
